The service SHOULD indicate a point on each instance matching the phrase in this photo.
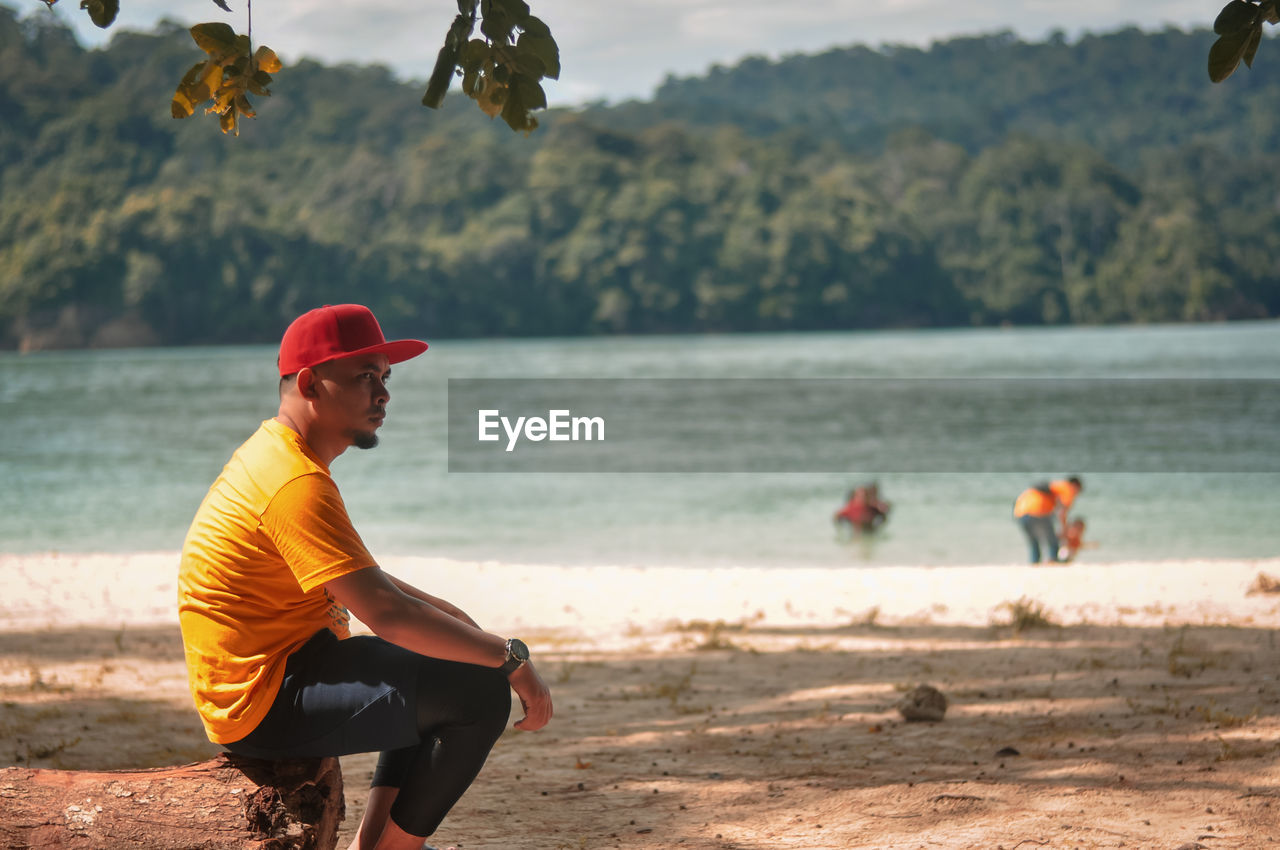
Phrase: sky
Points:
(615, 50)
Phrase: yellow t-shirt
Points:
(268, 535)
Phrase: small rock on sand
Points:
(923, 703)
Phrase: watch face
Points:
(519, 651)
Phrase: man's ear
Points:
(306, 382)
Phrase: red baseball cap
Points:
(334, 331)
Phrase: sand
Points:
(1092, 705)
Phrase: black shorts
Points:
(340, 697)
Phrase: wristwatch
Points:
(517, 654)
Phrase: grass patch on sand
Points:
(1022, 616)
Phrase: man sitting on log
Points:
(272, 565)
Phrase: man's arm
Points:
(411, 621)
(447, 607)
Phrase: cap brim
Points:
(397, 350)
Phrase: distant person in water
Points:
(1037, 507)
(864, 511)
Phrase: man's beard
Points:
(364, 439)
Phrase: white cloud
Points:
(615, 49)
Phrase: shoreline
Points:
(49, 590)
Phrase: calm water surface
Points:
(112, 451)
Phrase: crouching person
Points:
(270, 568)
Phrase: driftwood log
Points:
(226, 803)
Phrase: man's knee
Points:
(488, 702)
(464, 695)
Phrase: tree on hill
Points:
(1153, 200)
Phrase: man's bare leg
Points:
(377, 831)
(395, 838)
(377, 812)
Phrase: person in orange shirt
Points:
(1035, 510)
(1065, 491)
(270, 568)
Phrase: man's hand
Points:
(535, 697)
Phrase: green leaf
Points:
(1251, 47)
(545, 49)
(459, 31)
(523, 96)
(516, 10)
(531, 93)
(1226, 53)
(497, 25)
(514, 112)
(495, 66)
(1235, 16)
(518, 119)
(471, 82)
(531, 66)
(237, 66)
(215, 38)
(258, 83)
(473, 55)
(441, 76)
(101, 12)
(535, 26)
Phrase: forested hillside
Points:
(1121, 94)
(985, 180)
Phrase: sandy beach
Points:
(1090, 705)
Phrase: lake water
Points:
(112, 451)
